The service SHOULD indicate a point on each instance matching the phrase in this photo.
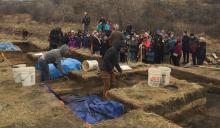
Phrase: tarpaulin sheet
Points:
(67, 64)
(4, 46)
(93, 109)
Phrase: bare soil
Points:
(33, 107)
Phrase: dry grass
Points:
(138, 119)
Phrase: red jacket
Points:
(178, 49)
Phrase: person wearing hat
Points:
(55, 57)
(86, 22)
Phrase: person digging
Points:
(107, 64)
(55, 57)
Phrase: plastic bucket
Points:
(28, 76)
(165, 75)
(19, 65)
(89, 65)
(17, 74)
(154, 77)
(24, 75)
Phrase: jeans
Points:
(194, 58)
(86, 28)
(44, 69)
(133, 56)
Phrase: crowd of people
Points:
(156, 47)
(115, 46)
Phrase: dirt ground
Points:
(33, 107)
(212, 73)
(209, 117)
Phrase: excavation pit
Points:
(209, 78)
(162, 101)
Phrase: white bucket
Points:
(154, 77)
(17, 74)
(19, 65)
(89, 65)
(24, 75)
(165, 75)
(28, 76)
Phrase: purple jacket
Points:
(72, 42)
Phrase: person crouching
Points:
(52, 57)
(107, 64)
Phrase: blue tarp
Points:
(8, 47)
(93, 109)
(68, 65)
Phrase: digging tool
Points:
(5, 59)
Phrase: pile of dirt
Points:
(84, 54)
(137, 119)
(163, 101)
(34, 56)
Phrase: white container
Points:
(165, 75)
(19, 65)
(89, 65)
(24, 75)
(125, 67)
(17, 74)
(154, 77)
(28, 76)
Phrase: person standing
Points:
(201, 52)
(185, 47)
(177, 53)
(72, 40)
(107, 64)
(158, 48)
(111, 59)
(86, 22)
(194, 43)
(55, 38)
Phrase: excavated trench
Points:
(90, 84)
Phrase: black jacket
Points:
(86, 20)
(111, 58)
(186, 43)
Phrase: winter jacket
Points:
(178, 50)
(194, 44)
(72, 42)
(111, 58)
(185, 43)
(86, 20)
(116, 37)
(55, 56)
(107, 27)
